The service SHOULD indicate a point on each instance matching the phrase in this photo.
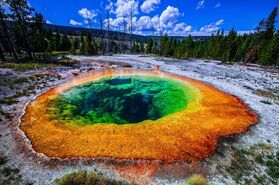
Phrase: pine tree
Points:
(243, 47)
(39, 42)
(149, 46)
(266, 27)
(141, 47)
(21, 13)
(188, 47)
(164, 46)
(270, 55)
(82, 45)
(232, 40)
(57, 41)
(89, 48)
(65, 43)
(74, 46)
(51, 41)
(2, 56)
(5, 34)
(265, 32)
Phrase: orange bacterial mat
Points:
(191, 134)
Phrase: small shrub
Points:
(7, 171)
(259, 159)
(3, 159)
(86, 178)
(240, 165)
(196, 180)
(8, 101)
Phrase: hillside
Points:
(70, 30)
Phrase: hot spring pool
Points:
(129, 114)
(123, 99)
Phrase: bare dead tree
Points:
(124, 24)
(88, 22)
(153, 35)
(108, 34)
(131, 26)
(160, 28)
(102, 33)
(125, 39)
(90, 27)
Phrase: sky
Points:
(172, 17)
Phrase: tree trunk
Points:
(8, 39)
(2, 56)
(23, 27)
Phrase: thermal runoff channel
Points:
(129, 114)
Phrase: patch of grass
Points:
(60, 52)
(67, 61)
(26, 66)
(3, 159)
(239, 166)
(13, 82)
(259, 159)
(84, 178)
(7, 171)
(247, 165)
(272, 164)
(196, 180)
(21, 80)
(8, 101)
(10, 176)
(4, 114)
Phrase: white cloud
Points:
(218, 23)
(169, 16)
(126, 7)
(75, 23)
(182, 27)
(246, 32)
(117, 24)
(161, 23)
(149, 6)
(87, 14)
(48, 22)
(144, 22)
(218, 5)
(213, 27)
(201, 4)
(166, 22)
(109, 7)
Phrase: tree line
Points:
(261, 46)
(23, 38)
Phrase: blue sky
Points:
(173, 17)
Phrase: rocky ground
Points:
(251, 158)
